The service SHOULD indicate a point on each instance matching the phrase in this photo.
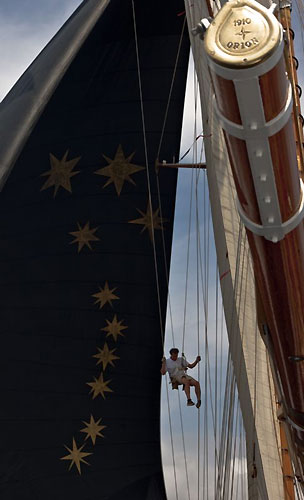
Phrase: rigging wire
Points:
(223, 430)
(162, 232)
(230, 381)
(244, 475)
(274, 419)
(234, 448)
(206, 351)
(221, 369)
(215, 372)
(152, 231)
(205, 288)
(207, 362)
(187, 263)
(197, 284)
(254, 437)
(231, 416)
(184, 445)
(147, 170)
(205, 292)
(158, 189)
(241, 290)
(163, 239)
(171, 436)
(205, 295)
(171, 88)
(239, 469)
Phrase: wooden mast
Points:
(288, 475)
(245, 50)
(285, 18)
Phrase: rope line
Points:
(163, 241)
(197, 288)
(187, 264)
(147, 169)
(171, 88)
(153, 235)
(171, 436)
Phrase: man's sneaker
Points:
(198, 404)
(190, 402)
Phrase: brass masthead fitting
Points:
(243, 34)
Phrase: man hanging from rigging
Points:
(176, 367)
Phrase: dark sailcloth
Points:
(80, 319)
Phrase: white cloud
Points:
(23, 38)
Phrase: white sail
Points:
(251, 367)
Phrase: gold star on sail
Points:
(114, 328)
(147, 221)
(93, 429)
(105, 356)
(100, 386)
(84, 236)
(119, 169)
(76, 456)
(105, 295)
(60, 173)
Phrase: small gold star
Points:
(76, 456)
(105, 295)
(99, 386)
(119, 169)
(93, 429)
(147, 221)
(84, 236)
(60, 173)
(105, 356)
(114, 328)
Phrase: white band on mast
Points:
(268, 230)
(246, 73)
(270, 128)
(255, 131)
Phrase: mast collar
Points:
(244, 33)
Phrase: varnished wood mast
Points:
(278, 267)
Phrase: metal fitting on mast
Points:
(202, 27)
(244, 44)
(286, 4)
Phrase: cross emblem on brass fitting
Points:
(243, 33)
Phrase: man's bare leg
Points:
(187, 387)
(187, 384)
(197, 389)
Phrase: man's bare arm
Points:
(192, 365)
(163, 367)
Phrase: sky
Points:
(25, 27)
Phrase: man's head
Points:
(174, 353)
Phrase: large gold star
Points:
(119, 169)
(76, 456)
(100, 386)
(114, 328)
(84, 236)
(93, 429)
(147, 221)
(60, 173)
(105, 295)
(105, 356)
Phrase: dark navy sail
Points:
(80, 317)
